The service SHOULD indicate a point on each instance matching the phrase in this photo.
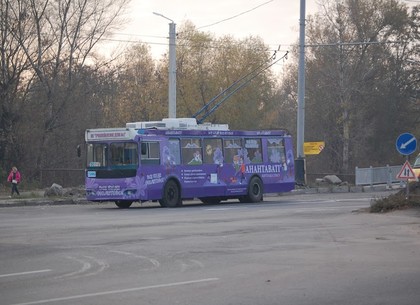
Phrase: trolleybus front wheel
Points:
(123, 204)
(171, 197)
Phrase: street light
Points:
(300, 165)
(172, 67)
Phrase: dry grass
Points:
(398, 201)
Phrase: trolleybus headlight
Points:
(90, 193)
(130, 192)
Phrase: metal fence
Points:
(377, 175)
(62, 176)
(311, 178)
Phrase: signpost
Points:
(313, 148)
(406, 144)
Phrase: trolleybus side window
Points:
(150, 153)
(96, 155)
(276, 153)
(232, 150)
(191, 151)
(252, 152)
(213, 151)
(172, 156)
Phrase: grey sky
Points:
(275, 21)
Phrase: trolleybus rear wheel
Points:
(255, 190)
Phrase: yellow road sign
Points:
(313, 148)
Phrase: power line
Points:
(272, 47)
(137, 35)
(333, 44)
(240, 14)
(134, 41)
(356, 43)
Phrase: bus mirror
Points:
(79, 151)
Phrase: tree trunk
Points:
(346, 140)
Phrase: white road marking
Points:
(226, 208)
(153, 261)
(291, 204)
(25, 273)
(86, 268)
(102, 266)
(318, 209)
(190, 264)
(96, 294)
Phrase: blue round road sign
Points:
(406, 144)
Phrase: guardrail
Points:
(377, 175)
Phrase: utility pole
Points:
(300, 165)
(172, 67)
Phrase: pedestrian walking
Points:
(14, 178)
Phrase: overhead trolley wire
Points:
(205, 112)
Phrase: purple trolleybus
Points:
(176, 159)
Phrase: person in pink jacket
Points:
(14, 178)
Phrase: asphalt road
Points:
(301, 249)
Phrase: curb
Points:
(12, 202)
(40, 202)
(346, 189)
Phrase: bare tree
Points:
(140, 92)
(14, 79)
(56, 39)
(349, 73)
